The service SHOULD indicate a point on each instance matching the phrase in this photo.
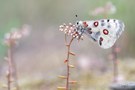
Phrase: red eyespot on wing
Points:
(85, 24)
(96, 24)
(105, 31)
(101, 39)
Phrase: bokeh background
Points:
(40, 56)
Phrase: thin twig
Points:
(68, 56)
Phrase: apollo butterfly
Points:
(105, 31)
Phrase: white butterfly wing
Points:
(105, 31)
(110, 32)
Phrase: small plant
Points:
(11, 40)
(69, 30)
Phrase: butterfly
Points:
(104, 31)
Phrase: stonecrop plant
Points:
(11, 39)
(69, 30)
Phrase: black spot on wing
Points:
(102, 20)
(102, 24)
(109, 26)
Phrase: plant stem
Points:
(115, 67)
(15, 75)
(68, 56)
(9, 67)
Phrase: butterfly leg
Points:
(81, 32)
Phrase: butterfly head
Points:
(78, 25)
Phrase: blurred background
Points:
(40, 56)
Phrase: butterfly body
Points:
(104, 31)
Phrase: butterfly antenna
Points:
(76, 17)
(81, 30)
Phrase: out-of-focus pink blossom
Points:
(109, 8)
(111, 57)
(16, 34)
(84, 63)
(91, 64)
(119, 79)
(117, 49)
(25, 30)
(97, 11)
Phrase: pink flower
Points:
(16, 34)
(84, 63)
(109, 8)
(25, 30)
(70, 30)
(119, 79)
